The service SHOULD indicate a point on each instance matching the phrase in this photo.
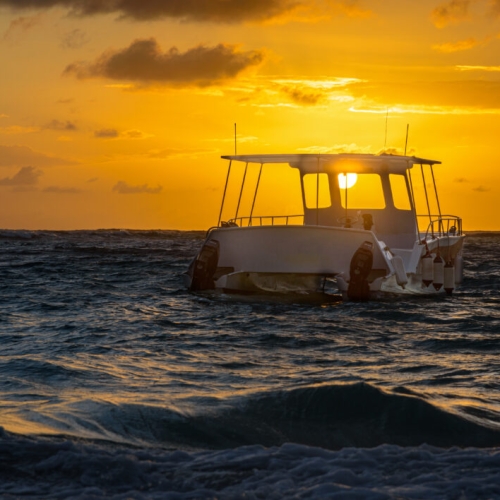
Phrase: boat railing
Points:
(266, 220)
(443, 225)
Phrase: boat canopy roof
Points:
(343, 162)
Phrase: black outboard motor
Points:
(361, 265)
(204, 266)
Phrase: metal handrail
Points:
(443, 225)
(258, 220)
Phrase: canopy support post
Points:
(426, 197)
(255, 195)
(241, 190)
(224, 195)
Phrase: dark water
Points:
(115, 382)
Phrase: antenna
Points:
(386, 117)
(407, 130)
(235, 148)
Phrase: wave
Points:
(328, 416)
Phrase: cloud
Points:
(214, 11)
(492, 69)
(453, 11)
(292, 92)
(135, 134)
(21, 25)
(111, 133)
(62, 190)
(66, 126)
(336, 149)
(143, 61)
(481, 189)
(17, 129)
(74, 39)
(495, 7)
(351, 8)
(461, 45)
(65, 101)
(27, 176)
(106, 133)
(453, 97)
(461, 180)
(217, 11)
(16, 156)
(122, 187)
(433, 97)
(417, 109)
(303, 97)
(164, 154)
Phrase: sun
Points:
(347, 180)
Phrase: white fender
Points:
(459, 269)
(449, 278)
(438, 270)
(427, 269)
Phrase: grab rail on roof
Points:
(444, 225)
(264, 220)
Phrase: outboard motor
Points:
(361, 265)
(204, 266)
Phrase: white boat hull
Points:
(298, 259)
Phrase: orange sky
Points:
(115, 113)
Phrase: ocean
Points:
(116, 382)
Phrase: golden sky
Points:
(114, 113)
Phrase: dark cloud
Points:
(16, 156)
(20, 25)
(143, 61)
(106, 133)
(112, 133)
(218, 11)
(495, 7)
(62, 190)
(481, 189)
(450, 12)
(122, 187)
(304, 97)
(27, 176)
(74, 39)
(134, 134)
(65, 101)
(66, 126)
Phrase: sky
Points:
(114, 113)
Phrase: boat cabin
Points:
(361, 191)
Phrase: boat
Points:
(369, 225)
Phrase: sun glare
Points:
(347, 180)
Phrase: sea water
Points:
(116, 382)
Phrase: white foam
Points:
(63, 469)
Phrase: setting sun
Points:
(347, 180)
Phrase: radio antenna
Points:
(235, 148)
(407, 130)
(386, 117)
